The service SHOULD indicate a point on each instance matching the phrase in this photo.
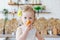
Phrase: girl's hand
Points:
(29, 27)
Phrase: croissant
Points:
(28, 22)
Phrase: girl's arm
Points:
(21, 35)
(38, 36)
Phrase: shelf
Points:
(22, 4)
(44, 12)
(12, 12)
(39, 13)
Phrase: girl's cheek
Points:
(32, 20)
(24, 20)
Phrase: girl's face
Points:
(27, 16)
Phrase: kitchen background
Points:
(52, 6)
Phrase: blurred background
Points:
(47, 15)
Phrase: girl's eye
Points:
(30, 17)
(25, 17)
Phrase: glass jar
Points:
(49, 31)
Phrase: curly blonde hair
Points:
(27, 8)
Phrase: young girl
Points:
(27, 30)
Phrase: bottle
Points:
(35, 1)
(19, 2)
(10, 1)
(38, 1)
(54, 30)
(49, 31)
(31, 1)
(23, 1)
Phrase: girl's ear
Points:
(35, 18)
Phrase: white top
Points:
(31, 34)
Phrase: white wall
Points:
(52, 6)
(4, 5)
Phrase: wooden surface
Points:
(13, 36)
(7, 35)
(23, 4)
